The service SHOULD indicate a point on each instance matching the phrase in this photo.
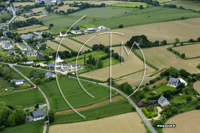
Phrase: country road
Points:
(14, 16)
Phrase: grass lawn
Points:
(22, 44)
(23, 98)
(135, 4)
(47, 52)
(73, 93)
(111, 109)
(31, 127)
(26, 70)
(181, 99)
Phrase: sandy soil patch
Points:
(73, 45)
(196, 86)
(189, 50)
(54, 46)
(126, 123)
(182, 29)
(102, 103)
(187, 122)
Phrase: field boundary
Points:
(157, 72)
(79, 42)
(63, 46)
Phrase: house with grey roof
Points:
(11, 52)
(37, 33)
(4, 27)
(49, 75)
(27, 47)
(163, 101)
(39, 45)
(5, 32)
(90, 30)
(38, 38)
(75, 32)
(8, 46)
(37, 115)
(63, 33)
(18, 82)
(44, 12)
(27, 36)
(3, 39)
(174, 82)
(31, 53)
(101, 27)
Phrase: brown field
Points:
(131, 64)
(37, 9)
(196, 86)
(182, 29)
(65, 7)
(31, 28)
(187, 122)
(189, 50)
(126, 123)
(21, 18)
(54, 46)
(23, 3)
(73, 45)
(162, 58)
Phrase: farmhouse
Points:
(11, 52)
(38, 38)
(163, 101)
(18, 82)
(174, 82)
(37, 33)
(26, 37)
(75, 66)
(63, 33)
(76, 32)
(49, 75)
(26, 47)
(90, 29)
(31, 53)
(101, 27)
(8, 46)
(3, 39)
(37, 115)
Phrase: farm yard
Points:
(162, 58)
(31, 28)
(110, 124)
(54, 46)
(131, 64)
(189, 50)
(182, 29)
(196, 86)
(73, 93)
(185, 123)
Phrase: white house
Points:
(26, 37)
(101, 27)
(37, 115)
(163, 101)
(8, 46)
(49, 75)
(90, 29)
(174, 82)
(63, 33)
(31, 53)
(76, 32)
(26, 47)
(18, 82)
(3, 39)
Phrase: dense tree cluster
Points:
(151, 2)
(126, 87)
(10, 116)
(28, 22)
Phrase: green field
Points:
(23, 98)
(105, 12)
(130, 4)
(22, 44)
(73, 93)
(111, 109)
(31, 127)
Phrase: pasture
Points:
(133, 4)
(54, 46)
(189, 50)
(73, 93)
(64, 8)
(35, 10)
(157, 31)
(104, 12)
(118, 124)
(196, 86)
(73, 45)
(30, 127)
(31, 28)
(23, 3)
(162, 58)
(24, 98)
(187, 122)
(131, 64)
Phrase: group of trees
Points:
(28, 22)
(6, 17)
(126, 88)
(151, 2)
(94, 62)
(10, 116)
(5, 72)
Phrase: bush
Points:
(188, 98)
(144, 110)
(121, 26)
(146, 88)
(198, 107)
(183, 55)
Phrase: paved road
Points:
(14, 16)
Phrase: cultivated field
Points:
(65, 7)
(196, 86)
(182, 29)
(133, 4)
(54, 46)
(23, 3)
(98, 2)
(74, 45)
(162, 58)
(189, 50)
(31, 28)
(187, 122)
(126, 123)
(21, 18)
(131, 64)
(35, 10)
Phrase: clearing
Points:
(162, 58)
(196, 86)
(54, 46)
(182, 29)
(129, 122)
(131, 64)
(187, 122)
(189, 50)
